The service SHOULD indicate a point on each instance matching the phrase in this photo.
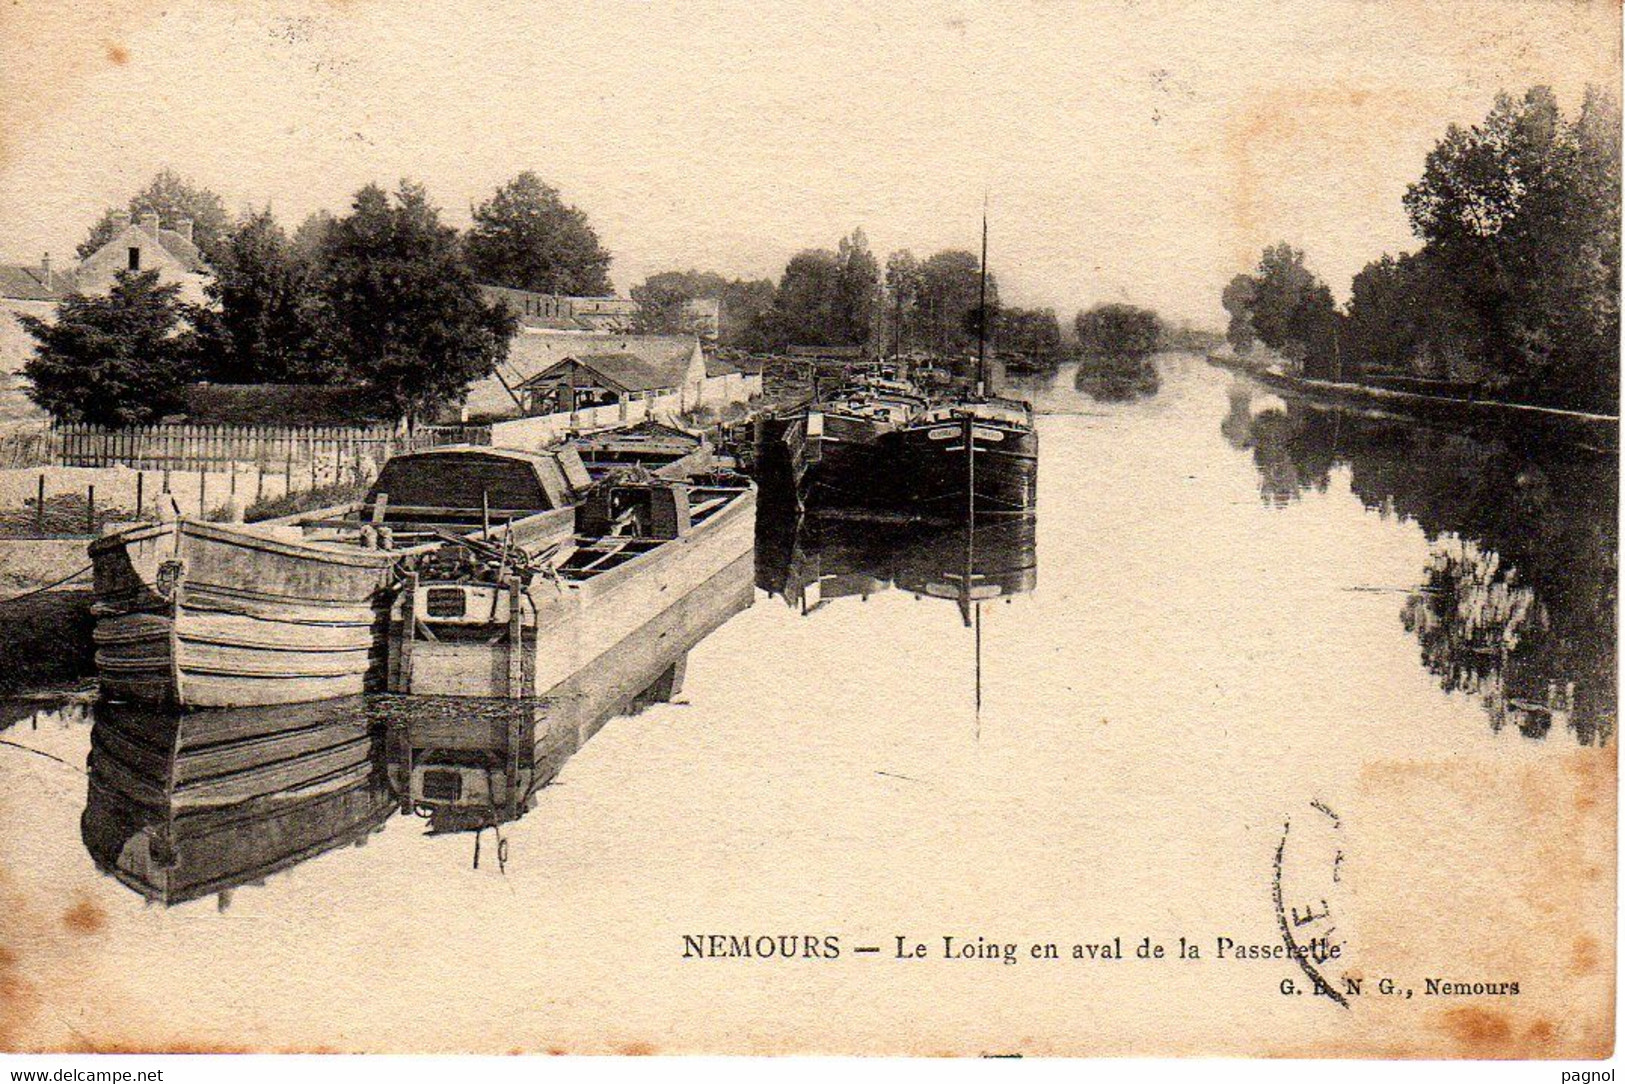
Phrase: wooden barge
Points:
(510, 658)
(468, 764)
(478, 619)
(195, 614)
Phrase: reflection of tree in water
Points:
(1291, 457)
(1517, 601)
(1117, 378)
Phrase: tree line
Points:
(1515, 287)
(385, 298)
(842, 296)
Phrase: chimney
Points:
(149, 223)
(121, 221)
(184, 228)
(45, 269)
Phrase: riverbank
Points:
(1595, 432)
(45, 622)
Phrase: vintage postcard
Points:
(947, 528)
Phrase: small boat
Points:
(513, 618)
(184, 805)
(191, 613)
(663, 449)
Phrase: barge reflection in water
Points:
(183, 805)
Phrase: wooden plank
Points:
(409, 630)
(516, 642)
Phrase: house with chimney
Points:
(146, 245)
(143, 244)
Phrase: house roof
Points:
(715, 366)
(28, 283)
(625, 371)
(826, 351)
(273, 404)
(532, 353)
(189, 255)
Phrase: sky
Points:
(1128, 150)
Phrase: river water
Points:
(1238, 621)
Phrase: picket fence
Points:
(217, 447)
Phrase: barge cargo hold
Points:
(479, 619)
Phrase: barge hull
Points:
(193, 614)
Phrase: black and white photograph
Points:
(950, 529)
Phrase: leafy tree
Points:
(661, 304)
(115, 359)
(803, 310)
(742, 301)
(1238, 297)
(1404, 316)
(902, 301)
(1517, 281)
(1118, 331)
(309, 241)
(262, 323)
(1033, 332)
(950, 289)
(1116, 342)
(857, 291)
(171, 197)
(404, 311)
(1288, 309)
(527, 238)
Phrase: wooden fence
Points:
(217, 447)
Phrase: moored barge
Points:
(191, 613)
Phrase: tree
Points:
(171, 197)
(404, 311)
(309, 241)
(857, 291)
(1118, 331)
(526, 237)
(903, 285)
(803, 310)
(662, 301)
(119, 359)
(742, 301)
(950, 289)
(1116, 342)
(1519, 216)
(1033, 332)
(1239, 294)
(1288, 309)
(262, 323)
